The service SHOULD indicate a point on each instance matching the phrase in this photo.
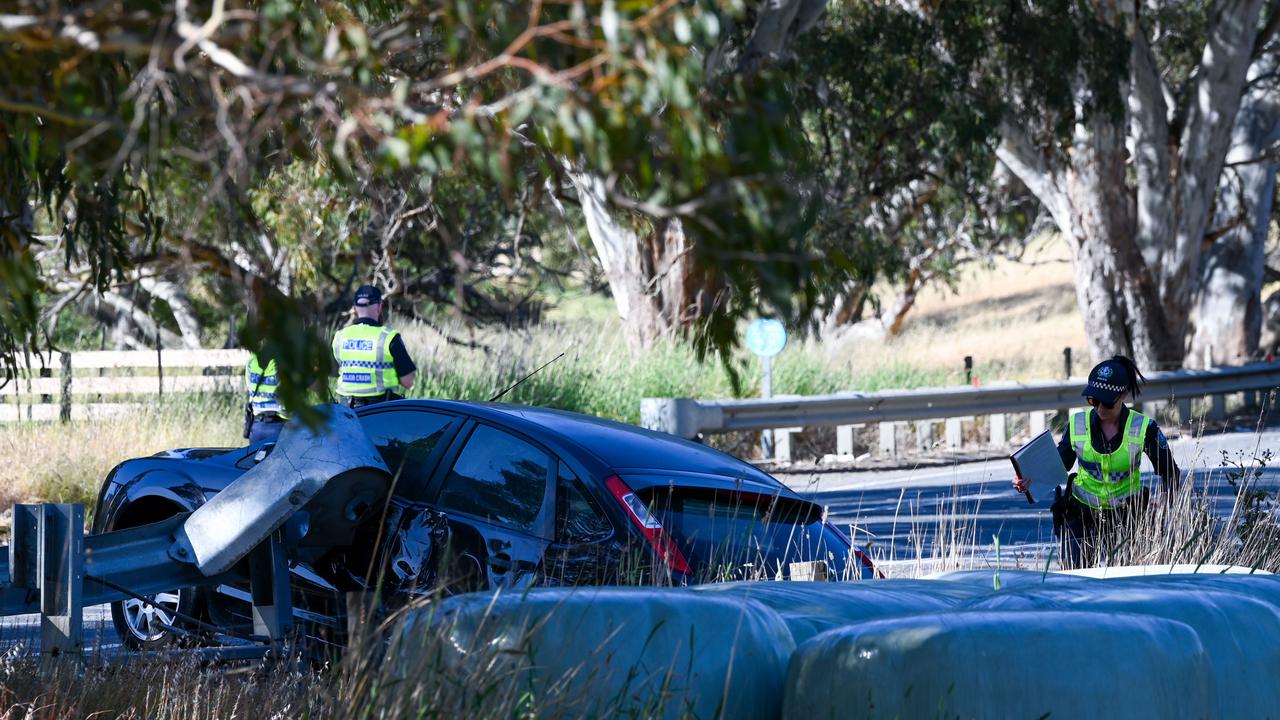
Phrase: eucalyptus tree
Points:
(1128, 153)
(112, 111)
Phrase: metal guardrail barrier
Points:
(331, 473)
(689, 418)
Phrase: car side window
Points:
(406, 440)
(578, 518)
(498, 477)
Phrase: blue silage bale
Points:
(601, 651)
(973, 664)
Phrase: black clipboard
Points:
(1039, 463)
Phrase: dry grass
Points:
(66, 463)
(1014, 319)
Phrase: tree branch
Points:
(1035, 170)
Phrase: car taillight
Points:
(861, 556)
(648, 525)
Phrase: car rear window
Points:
(727, 535)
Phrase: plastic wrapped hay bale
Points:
(987, 664)
(1240, 634)
(810, 608)
(593, 652)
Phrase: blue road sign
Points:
(766, 337)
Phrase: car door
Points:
(411, 442)
(496, 494)
(585, 549)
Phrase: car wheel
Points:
(145, 625)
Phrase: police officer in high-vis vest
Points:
(1106, 444)
(373, 364)
(264, 417)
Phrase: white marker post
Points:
(766, 337)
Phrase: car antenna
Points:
(526, 377)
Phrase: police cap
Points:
(1107, 381)
(367, 295)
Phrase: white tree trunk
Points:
(1211, 114)
(1136, 245)
(179, 305)
(657, 287)
(1228, 314)
(656, 282)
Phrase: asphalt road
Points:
(902, 513)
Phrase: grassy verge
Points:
(49, 462)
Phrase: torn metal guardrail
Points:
(688, 418)
(51, 568)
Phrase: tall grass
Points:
(50, 462)
(598, 374)
(1180, 527)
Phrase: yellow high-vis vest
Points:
(262, 384)
(365, 367)
(1105, 480)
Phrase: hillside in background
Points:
(1013, 318)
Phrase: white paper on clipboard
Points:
(1038, 462)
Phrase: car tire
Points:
(141, 625)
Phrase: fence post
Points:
(1066, 363)
(968, 369)
(159, 368)
(64, 413)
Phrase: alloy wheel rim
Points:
(149, 621)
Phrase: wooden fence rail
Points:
(80, 385)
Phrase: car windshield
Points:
(727, 535)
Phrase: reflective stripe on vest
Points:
(365, 367)
(261, 383)
(1105, 480)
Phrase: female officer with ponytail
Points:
(1107, 443)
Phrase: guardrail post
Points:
(1218, 409)
(677, 416)
(24, 547)
(924, 433)
(1250, 399)
(782, 443)
(955, 434)
(1038, 421)
(888, 439)
(269, 588)
(64, 413)
(844, 439)
(1184, 409)
(60, 567)
(999, 429)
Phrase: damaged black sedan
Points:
(488, 495)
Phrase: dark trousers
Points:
(1087, 536)
(265, 428)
